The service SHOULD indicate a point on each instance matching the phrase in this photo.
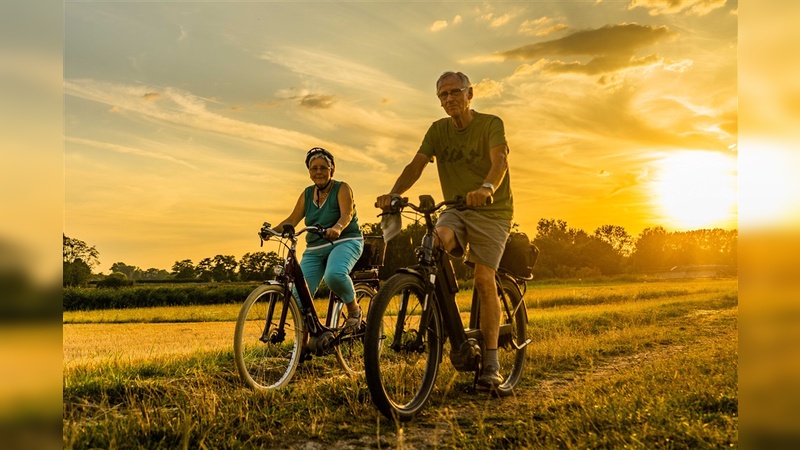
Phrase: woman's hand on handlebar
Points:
(332, 233)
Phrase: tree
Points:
(617, 238)
(224, 268)
(79, 258)
(184, 270)
(75, 249)
(371, 229)
(651, 253)
(115, 280)
(131, 272)
(204, 269)
(153, 274)
(219, 268)
(76, 273)
(258, 266)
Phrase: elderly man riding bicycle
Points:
(470, 150)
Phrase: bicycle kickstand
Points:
(478, 370)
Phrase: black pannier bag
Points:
(374, 251)
(519, 256)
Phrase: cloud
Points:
(612, 47)
(439, 25)
(488, 88)
(306, 98)
(624, 39)
(693, 7)
(600, 65)
(128, 150)
(486, 14)
(318, 101)
(322, 66)
(180, 108)
(457, 19)
(542, 26)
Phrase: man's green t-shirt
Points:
(463, 160)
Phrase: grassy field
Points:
(636, 365)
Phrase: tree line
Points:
(565, 252)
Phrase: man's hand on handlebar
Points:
(384, 202)
(479, 197)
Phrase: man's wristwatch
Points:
(488, 185)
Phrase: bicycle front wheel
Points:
(350, 352)
(403, 347)
(267, 351)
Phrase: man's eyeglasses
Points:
(319, 169)
(443, 95)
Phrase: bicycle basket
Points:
(374, 251)
(519, 256)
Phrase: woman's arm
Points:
(346, 206)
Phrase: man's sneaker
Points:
(490, 378)
(352, 322)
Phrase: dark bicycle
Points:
(275, 333)
(415, 312)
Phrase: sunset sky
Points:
(186, 123)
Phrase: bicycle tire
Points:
(268, 365)
(401, 369)
(350, 352)
(511, 358)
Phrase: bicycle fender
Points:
(411, 271)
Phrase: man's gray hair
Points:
(464, 79)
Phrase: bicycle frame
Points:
(436, 270)
(322, 337)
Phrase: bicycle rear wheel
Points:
(402, 348)
(350, 352)
(513, 332)
(266, 355)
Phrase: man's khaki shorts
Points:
(483, 237)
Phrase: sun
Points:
(696, 189)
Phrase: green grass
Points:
(610, 366)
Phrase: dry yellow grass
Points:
(130, 342)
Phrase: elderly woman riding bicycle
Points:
(331, 257)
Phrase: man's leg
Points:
(490, 304)
(446, 238)
(489, 323)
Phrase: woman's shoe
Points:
(352, 322)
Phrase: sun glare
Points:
(696, 189)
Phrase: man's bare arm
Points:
(407, 178)
(497, 172)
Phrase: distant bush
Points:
(115, 280)
(82, 299)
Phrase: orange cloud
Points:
(695, 7)
(613, 48)
(151, 96)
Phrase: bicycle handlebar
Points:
(427, 205)
(289, 231)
